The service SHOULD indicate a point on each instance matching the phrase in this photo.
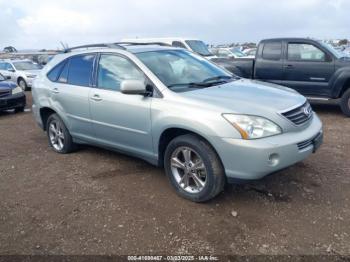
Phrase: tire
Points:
(58, 135)
(19, 109)
(345, 103)
(22, 84)
(204, 164)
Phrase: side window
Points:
(272, 51)
(9, 66)
(113, 69)
(305, 52)
(55, 72)
(64, 74)
(80, 69)
(178, 44)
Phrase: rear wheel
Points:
(194, 168)
(59, 137)
(345, 103)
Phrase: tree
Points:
(10, 49)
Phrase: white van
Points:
(192, 44)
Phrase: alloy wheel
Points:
(56, 135)
(22, 85)
(188, 169)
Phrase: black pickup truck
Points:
(313, 68)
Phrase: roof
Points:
(130, 47)
(296, 39)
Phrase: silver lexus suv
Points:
(175, 109)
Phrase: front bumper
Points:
(254, 159)
(29, 81)
(12, 101)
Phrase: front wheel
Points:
(59, 137)
(194, 168)
(345, 103)
(22, 84)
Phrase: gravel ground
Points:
(95, 201)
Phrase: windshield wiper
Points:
(193, 84)
(216, 78)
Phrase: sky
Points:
(37, 24)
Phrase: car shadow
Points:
(327, 108)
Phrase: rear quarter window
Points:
(272, 51)
(56, 71)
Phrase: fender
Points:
(337, 82)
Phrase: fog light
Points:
(274, 159)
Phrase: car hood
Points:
(248, 97)
(4, 85)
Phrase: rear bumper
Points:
(13, 101)
(254, 159)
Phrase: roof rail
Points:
(142, 43)
(113, 45)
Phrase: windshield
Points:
(237, 53)
(26, 65)
(181, 69)
(330, 48)
(199, 47)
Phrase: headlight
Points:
(252, 127)
(17, 90)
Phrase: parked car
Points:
(11, 96)
(195, 45)
(175, 109)
(22, 72)
(250, 52)
(229, 52)
(311, 67)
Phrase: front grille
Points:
(4, 93)
(304, 144)
(299, 115)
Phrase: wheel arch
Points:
(45, 113)
(170, 133)
(341, 82)
(19, 78)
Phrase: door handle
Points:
(288, 66)
(55, 90)
(96, 97)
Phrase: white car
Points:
(229, 52)
(22, 72)
(250, 52)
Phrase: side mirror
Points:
(133, 87)
(11, 70)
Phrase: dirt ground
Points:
(95, 201)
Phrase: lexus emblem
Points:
(307, 111)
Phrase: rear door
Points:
(307, 68)
(119, 120)
(269, 62)
(70, 94)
